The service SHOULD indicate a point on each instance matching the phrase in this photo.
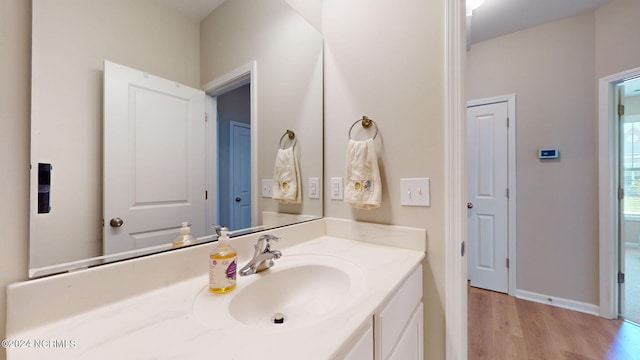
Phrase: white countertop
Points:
(161, 323)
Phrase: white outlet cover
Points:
(267, 188)
(314, 188)
(415, 192)
(336, 188)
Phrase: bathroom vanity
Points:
(346, 290)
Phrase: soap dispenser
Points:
(185, 237)
(222, 265)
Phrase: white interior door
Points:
(154, 159)
(487, 186)
(240, 182)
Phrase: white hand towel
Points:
(286, 177)
(363, 188)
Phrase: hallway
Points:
(504, 327)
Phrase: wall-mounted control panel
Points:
(550, 153)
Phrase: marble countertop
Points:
(161, 323)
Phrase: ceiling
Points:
(499, 17)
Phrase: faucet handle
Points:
(264, 242)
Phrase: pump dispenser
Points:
(222, 265)
(185, 237)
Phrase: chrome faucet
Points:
(263, 256)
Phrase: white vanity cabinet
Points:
(397, 331)
(398, 326)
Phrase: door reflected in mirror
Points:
(70, 126)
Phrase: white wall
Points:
(384, 59)
(553, 70)
(15, 75)
(67, 103)
(616, 42)
(288, 53)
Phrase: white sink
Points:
(304, 288)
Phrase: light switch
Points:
(314, 188)
(336, 188)
(414, 192)
(267, 188)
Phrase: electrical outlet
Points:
(267, 188)
(314, 188)
(336, 188)
(414, 192)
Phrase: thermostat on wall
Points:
(548, 153)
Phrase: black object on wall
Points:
(44, 188)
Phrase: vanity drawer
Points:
(390, 323)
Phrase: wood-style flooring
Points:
(504, 327)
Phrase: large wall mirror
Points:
(257, 65)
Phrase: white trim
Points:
(510, 99)
(559, 302)
(245, 74)
(213, 206)
(455, 183)
(608, 210)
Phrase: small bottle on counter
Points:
(222, 265)
(185, 237)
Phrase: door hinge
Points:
(206, 195)
(462, 249)
(507, 121)
(620, 109)
(620, 278)
(506, 192)
(620, 193)
(206, 116)
(507, 263)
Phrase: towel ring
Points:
(366, 123)
(291, 135)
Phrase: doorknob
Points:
(469, 205)
(238, 199)
(116, 222)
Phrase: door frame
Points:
(510, 99)
(242, 75)
(608, 212)
(455, 187)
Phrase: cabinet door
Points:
(410, 344)
(363, 348)
(390, 323)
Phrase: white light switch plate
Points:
(414, 192)
(267, 188)
(336, 188)
(314, 188)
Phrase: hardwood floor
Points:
(504, 327)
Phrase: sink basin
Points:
(305, 289)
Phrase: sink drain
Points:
(278, 318)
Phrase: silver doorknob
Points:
(238, 199)
(116, 222)
(469, 205)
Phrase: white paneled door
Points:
(240, 180)
(154, 159)
(487, 191)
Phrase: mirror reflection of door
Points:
(154, 177)
(234, 157)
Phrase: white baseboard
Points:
(559, 302)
